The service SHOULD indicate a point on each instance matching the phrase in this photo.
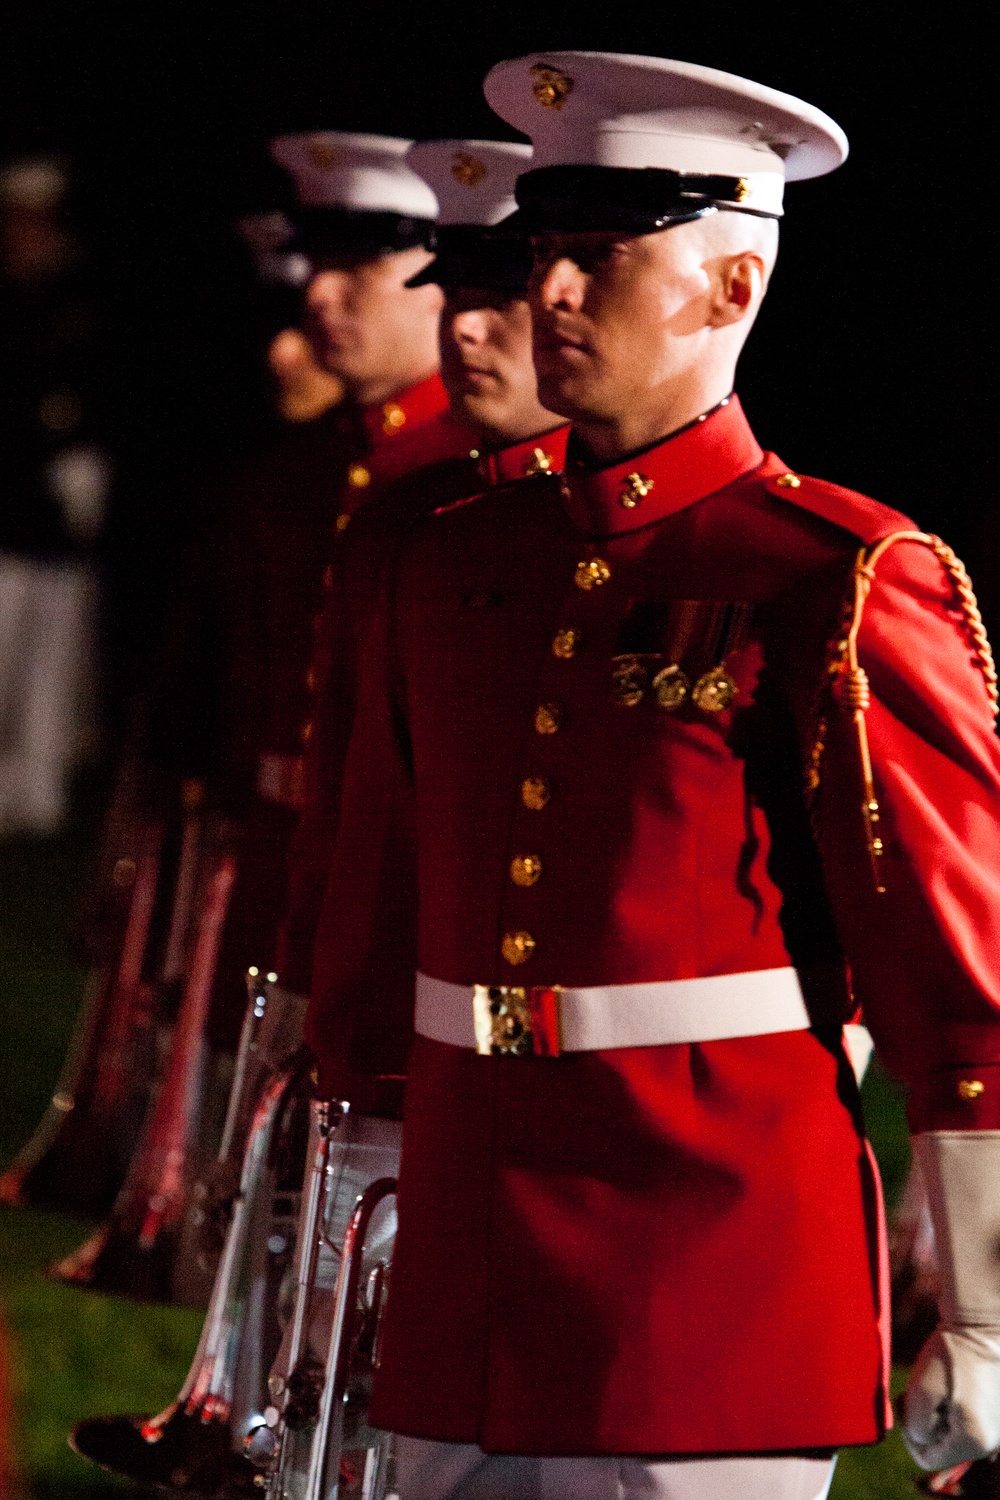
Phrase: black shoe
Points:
(174, 1451)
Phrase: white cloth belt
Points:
(503, 1018)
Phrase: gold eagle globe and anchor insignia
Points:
(467, 170)
(540, 462)
(322, 154)
(550, 86)
(635, 488)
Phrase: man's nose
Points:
(325, 289)
(468, 327)
(558, 285)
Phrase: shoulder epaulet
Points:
(863, 517)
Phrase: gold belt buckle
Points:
(516, 1020)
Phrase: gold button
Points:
(525, 869)
(517, 947)
(358, 476)
(328, 572)
(123, 874)
(788, 482)
(343, 521)
(311, 680)
(540, 462)
(634, 489)
(394, 416)
(590, 575)
(307, 730)
(970, 1088)
(565, 643)
(548, 717)
(535, 792)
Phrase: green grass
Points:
(77, 1353)
(74, 1353)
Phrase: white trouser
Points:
(47, 622)
(460, 1471)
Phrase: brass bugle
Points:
(78, 1157)
(314, 1439)
(323, 1474)
(132, 1253)
(196, 1443)
(270, 1036)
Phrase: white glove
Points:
(952, 1403)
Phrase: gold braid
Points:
(851, 679)
(972, 617)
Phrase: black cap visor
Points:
(630, 200)
(473, 256)
(338, 233)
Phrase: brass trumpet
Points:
(313, 1441)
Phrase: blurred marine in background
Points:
(55, 472)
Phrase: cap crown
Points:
(360, 173)
(618, 110)
(473, 181)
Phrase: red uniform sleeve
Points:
(361, 562)
(925, 953)
(309, 852)
(360, 1019)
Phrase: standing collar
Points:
(411, 431)
(674, 473)
(386, 421)
(542, 454)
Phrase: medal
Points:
(629, 680)
(714, 691)
(671, 687)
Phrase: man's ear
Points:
(739, 286)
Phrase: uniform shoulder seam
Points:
(854, 512)
(490, 492)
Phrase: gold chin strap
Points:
(850, 680)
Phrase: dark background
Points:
(869, 367)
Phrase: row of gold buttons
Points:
(526, 869)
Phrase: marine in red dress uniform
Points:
(363, 224)
(683, 780)
(286, 512)
(485, 338)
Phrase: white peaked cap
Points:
(611, 109)
(267, 236)
(265, 231)
(473, 181)
(363, 173)
(34, 183)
